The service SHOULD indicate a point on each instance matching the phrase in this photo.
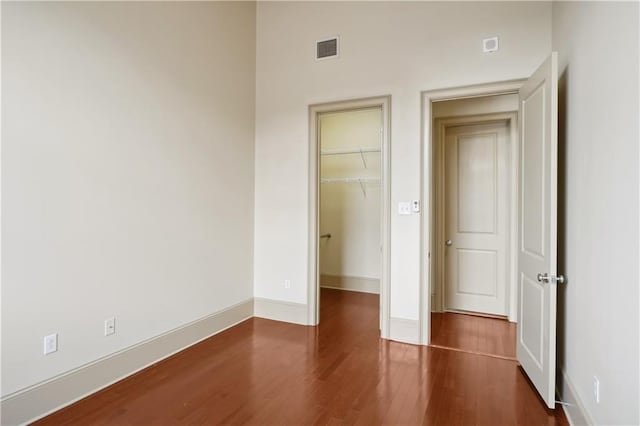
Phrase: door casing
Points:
(438, 208)
(427, 222)
(313, 281)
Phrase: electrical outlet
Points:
(50, 343)
(596, 389)
(109, 326)
(287, 283)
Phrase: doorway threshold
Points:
(448, 348)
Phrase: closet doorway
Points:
(474, 218)
(349, 206)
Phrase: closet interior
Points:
(350, 200)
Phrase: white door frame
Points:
(438, 208)
(427, 236)
(313, 299)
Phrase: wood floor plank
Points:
(482, 335)
(263, 372)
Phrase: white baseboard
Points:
(361, 284)
(279, 310)
(574, 409)
(30, 404)
(404, 330)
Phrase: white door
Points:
(537, 234)
(476, 217)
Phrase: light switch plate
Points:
(404, 207)
(415, 206)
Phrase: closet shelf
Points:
(361, 181)
(361, 151)
(350, 180)
(348, 151)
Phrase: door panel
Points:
(533, 173)
(477, 173)
(478, 272)
(476, 217)
(537, 245)
(530, 325)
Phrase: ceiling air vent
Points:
(327, 48)
(490, 45)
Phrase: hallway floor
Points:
(489, 336)
(263, 372)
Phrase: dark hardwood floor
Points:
(271, 373)
(491, 336)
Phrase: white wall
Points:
(127, 174)
(396, 48)
(475, 106)
(351, 216)
(598, 307)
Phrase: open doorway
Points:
(349, 206)
(350, 210)
(533, 277)
(474, 224)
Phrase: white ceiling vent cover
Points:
(327, 48)
(490, 45)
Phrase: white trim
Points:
(279, 310)
(405, 330)
(574, 409)
(359, 284)
(37, 401)
(426, 240)
(313, 300)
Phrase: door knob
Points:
(448, 242)
(545, 278)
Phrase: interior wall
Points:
(598, 330)
(475, 106)
(349, 214)
(127, 174)
(386, 48)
